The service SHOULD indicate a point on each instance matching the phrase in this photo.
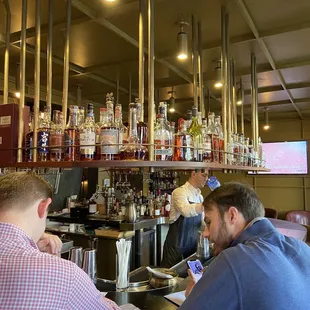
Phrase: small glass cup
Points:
(122, 273)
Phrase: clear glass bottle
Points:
(236, 150)
(196, 132)
(102, 113)
(219, 129)
(133, 150)
(189, 116)
(184, 144)
(43, 135)
(241, 150)
(81, 116)
(246, 151)
(87, 134)
(72, 149)
(142, 129)
(57, 137)
(207, 143)
(122, 129)
(162, 139)
(212, 132)
(259, 152)
(109, 134)
(28, 155)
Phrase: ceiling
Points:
(277, 31)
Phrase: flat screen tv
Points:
(286, 157)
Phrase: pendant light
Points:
(182, 41)
(266, 121)
(218, 72)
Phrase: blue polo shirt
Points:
(261, 270)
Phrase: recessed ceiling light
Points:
(17, 94)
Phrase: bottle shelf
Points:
(124, 164)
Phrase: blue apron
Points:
(181, 240)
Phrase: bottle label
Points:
(87, 143)
(29, 150)
(157, 212)
(43, 141)
(162, 148)
(57, 140)
(109, 141)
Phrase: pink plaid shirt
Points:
(30, 279)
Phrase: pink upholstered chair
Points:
(300, 217)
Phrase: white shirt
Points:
(180, 201)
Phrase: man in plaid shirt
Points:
(32, 278)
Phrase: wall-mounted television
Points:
(286, 157)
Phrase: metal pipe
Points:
(256, 106)
(129, 88)
(79, 95)
(224, 79)
(117, 87)
(200, 73)
(22, 82)
(141, 57)
(194, 60)
(66, 64)
(234, 103)
(49, 80)
(242, 106)
(151, 78)
(253, 101)
(7, 52)
(37, 78)
(229, 110)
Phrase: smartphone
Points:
(213, 183)
(195, 266)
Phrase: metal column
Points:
(66, 64)
(242, 106)
(37, 78)
(141, 57)
(234, 104)
(200, 73)
(254, 99)
(194, 60)
(224, 68)
(151, 78)
(7, 52)
(50, 56)
(22, 82)
(229, 108)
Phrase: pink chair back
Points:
(300, 217)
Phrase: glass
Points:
(196, 132)
(219, 129)
(142, 130)
(184, 144)
(57, 137)
(133, 150)
(87, 135)
(109, 134)
(43, 134)
(212, 132)
(72, 135)
(122, 264)
(123, 131)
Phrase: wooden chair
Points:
(271, 213)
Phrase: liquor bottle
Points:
(142, 130)
(87, 135)
(162, 139)
(246, 151)
(189, 116)
(207, 142)
(28, 155)
(212, 132)
(219, 130)
(259, 152)
(236, 150)
(122, 129)
(81, 116)
(133, 150)
(102, 113)
(241, 150)
(109, 135)
(57, 137)
(195, 131)
(251, 154)
(184, 144)
(43, 134)
(72, 150)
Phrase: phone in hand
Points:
(195, 266)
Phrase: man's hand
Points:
(50, 244)
(191, 282)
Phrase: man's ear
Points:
(233, 214)
(42, 208)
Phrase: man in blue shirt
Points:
(256, 266)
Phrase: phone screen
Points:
(195, 266)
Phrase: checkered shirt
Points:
(30, 279)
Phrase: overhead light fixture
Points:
(266, 122)
(110, 0)
(171, 101)
(218, 71)
(182, 41)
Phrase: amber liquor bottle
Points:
(72, 136)
(57, 137)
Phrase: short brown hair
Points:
(22, 189)
(236, 195)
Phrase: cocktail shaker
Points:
(76, 255)
(90, 264)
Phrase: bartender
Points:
(186, 217)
